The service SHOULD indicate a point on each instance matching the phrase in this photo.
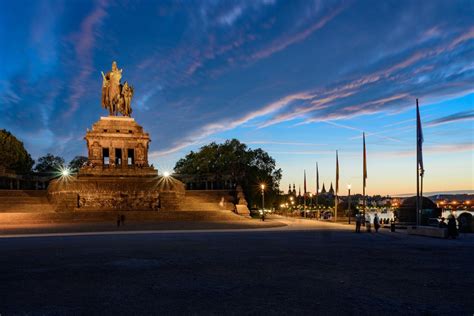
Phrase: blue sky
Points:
(299, 79)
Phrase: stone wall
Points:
(102, 193)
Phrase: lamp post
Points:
(317, 204)
(349, 201)
(262, 186)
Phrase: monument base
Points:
(242, 210)
(115, 193)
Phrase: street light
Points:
(262, 186)
(349, 201)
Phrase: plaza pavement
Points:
(306, 267)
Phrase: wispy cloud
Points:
(267, 142)
(429, 150)
(460, 116)
(230, 17)
(84, 42)
(361, 131)
(290, 39)
(305, 152)
(341, 101)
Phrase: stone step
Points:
(207, 201)
(23, 200)
(23, 193)
(184, 208)
(28, 208)
(204, 199)
(161, 216)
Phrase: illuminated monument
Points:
(117, 175)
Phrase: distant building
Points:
(331, 190)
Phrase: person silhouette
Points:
(358, 220)
(376, 223)
(452, 229)
(367, 223)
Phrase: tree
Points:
(13, 154)
(49, 164)
(77, 163)
(236, 161)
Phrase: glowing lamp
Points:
(65, 172)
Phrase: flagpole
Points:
(317, 189)
(304, 194)
(364, 175)
(417, 167)
(337, 187)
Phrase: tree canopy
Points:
(13, 154)
(236, 161)
(49, 164)
(77, 162)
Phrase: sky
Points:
(299, 79)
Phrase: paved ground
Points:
(111, 227)
(304, 268)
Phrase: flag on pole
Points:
(317, 179)
(365, 162)
(419, 141)
(337, 173)
(304, 188)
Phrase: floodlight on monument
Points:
(65, 172)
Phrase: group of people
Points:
(360, 220)
(368, 222)
(451, 226)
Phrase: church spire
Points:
(323, 190)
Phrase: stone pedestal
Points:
(117, 143)
(117, 176)
(241, 207)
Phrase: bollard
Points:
(392, 226)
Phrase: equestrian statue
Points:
(116, 97)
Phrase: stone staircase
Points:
(32, 206)
(111, 217)
(24, 201)
(207, 200)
